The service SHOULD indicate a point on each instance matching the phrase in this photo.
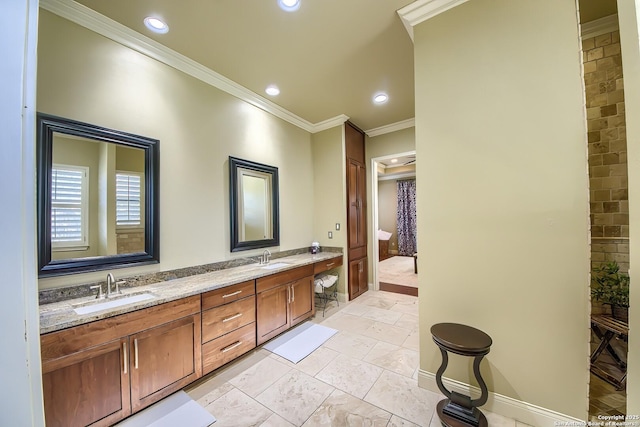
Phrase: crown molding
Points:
(421, 10)
(100, 24)
(329, 123)
(393, 127)
(600, 26)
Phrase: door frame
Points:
(374, 212)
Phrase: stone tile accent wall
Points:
(130, 242)
(607, 149)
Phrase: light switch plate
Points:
(331, 235)
(337, 226)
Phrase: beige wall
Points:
(501, 148)
(89, 78)
(330, 197)
(628, 17)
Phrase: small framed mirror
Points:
(253, 197)
(97, 197)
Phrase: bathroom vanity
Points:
(102, 366)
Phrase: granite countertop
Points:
(61, 315)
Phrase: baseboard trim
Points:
(399, 289)
(503, 405)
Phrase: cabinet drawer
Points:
(268, 282)
(226, 348)
(321, 266)
(224, 319)
(228, 294)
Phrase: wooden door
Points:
(272, 312)
(302, 300)
(87, 388)
(163, 360)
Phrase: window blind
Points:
(67, 210)
(128, 199)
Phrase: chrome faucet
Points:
(110, 282)
(265, 257)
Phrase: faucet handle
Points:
(118, 283)
(100, 295)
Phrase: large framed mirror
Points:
(98, 201)
(253, 199)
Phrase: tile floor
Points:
(604, 399)
(365, 375)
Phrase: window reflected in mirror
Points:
(254, 207)
(97, 198)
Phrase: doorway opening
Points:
(609, 203)
(394, 223)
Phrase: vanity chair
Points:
(326, 289)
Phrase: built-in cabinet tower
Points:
(356, 211)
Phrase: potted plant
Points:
(610, 286)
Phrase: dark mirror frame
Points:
(236, 244)
(46, 126)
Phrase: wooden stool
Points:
(459, 410)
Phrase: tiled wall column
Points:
(607, 150)
(130, 242)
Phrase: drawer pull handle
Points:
(125, 357)
(330, 264)
(231, 294)
(235, 316)
(232, 346)
(293, 294)
(135, 353)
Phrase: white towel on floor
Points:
(324, 281)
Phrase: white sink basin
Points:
(112, 302)
(275, 265)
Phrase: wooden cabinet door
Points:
(302, 303)
(164, 359)
(87, 388)
(363, 276)
(353, 203)
(361, 224)
(272, 312)
(358, 283)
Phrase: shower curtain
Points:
(406, 217)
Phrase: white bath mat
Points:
(300, 342)
(176, 410)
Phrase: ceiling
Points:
(328, 58)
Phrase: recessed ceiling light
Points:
(289, 5)
(394, 160)
(272, 90)
(380, 98)
(156, 25)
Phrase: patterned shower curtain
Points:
(406, 217)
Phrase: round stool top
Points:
(461, 339)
